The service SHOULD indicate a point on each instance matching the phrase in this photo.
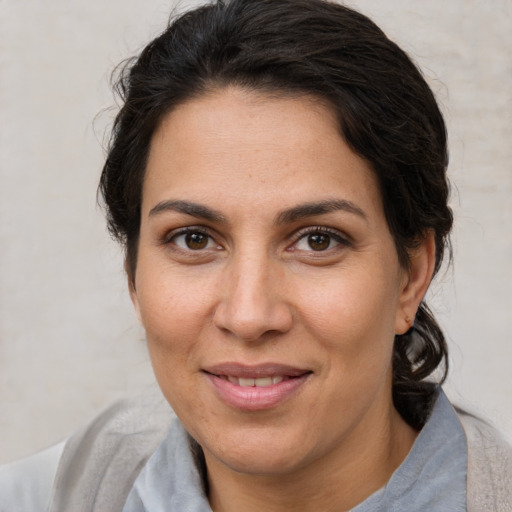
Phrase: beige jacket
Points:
(97, 467)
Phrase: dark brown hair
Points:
(386, 111)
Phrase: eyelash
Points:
(170, 238)
(334, 235)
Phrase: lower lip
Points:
(256, 398)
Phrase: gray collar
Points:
(432, 477)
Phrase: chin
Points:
(264, 454)
(265, 463)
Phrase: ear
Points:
(415, 283)
(132, 290)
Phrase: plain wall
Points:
(69, 342)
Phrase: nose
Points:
(253, 304)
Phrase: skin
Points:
(259, 287)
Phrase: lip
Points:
(256, 398)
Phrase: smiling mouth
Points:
(254, 388)
(259, 376)
(259, 382)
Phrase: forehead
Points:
(250, 146)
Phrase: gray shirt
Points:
(432, 477)
(96, 469)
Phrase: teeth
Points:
(261, 382)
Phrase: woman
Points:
(277, 175)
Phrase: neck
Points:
(338, 481)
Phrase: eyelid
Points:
(336, 234)
(168, 237)
(339, 236)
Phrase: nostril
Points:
(249, 308)
(252, 326)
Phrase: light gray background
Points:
(69, 342)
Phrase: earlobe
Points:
(416, 283)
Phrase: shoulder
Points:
(101, 462)
(95, 468)
(489, 466)
(26, 485)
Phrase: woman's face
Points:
(268, 282)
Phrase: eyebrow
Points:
(188, 208)
(288, 216)
(306, 210)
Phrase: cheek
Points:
(170, 319)
(354, 316)
(170, 302)
(171, 316)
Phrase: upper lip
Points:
(238, 370)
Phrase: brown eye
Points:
(193, 241)
(196, 241)
(319, 241)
